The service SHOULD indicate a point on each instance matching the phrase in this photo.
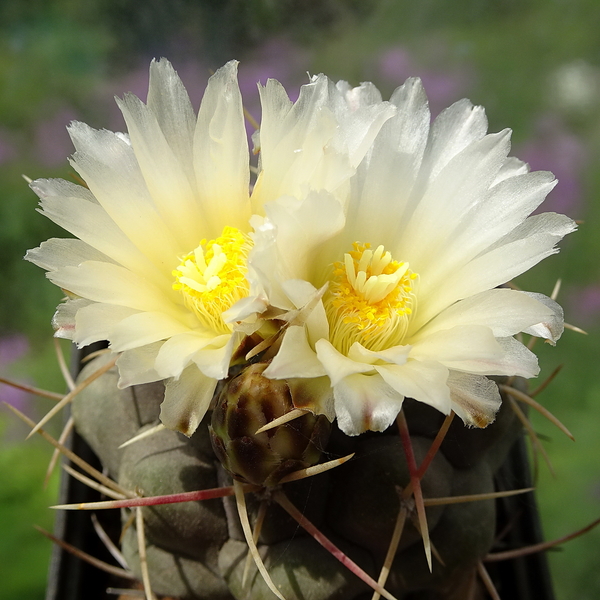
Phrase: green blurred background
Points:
(534, 65)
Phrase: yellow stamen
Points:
(370, 299)
(212, 278)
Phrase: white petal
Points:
(105, 282)
(110, 168)
(553, 325)
(136, 366)
(97, 321)
(475, 399)
(423, 381)
(295, 357)
(56, 253)
(170, 103)
(75, 209)
(221, 152)
(506, 312)
(397, 355)
(365, 402)
(63, 321)
(164, 175)
(144, 328)
(186, 400)
(213, 360)
(176, 353)
(336, 365)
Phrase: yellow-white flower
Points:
(436, 218)
(163, 225)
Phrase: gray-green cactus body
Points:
(196, 550)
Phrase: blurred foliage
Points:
(65, 55)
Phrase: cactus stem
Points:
(315, 469)
(56, 452)
(474, 497)
(100, 564)
(309, 527)
(535, 440)
(487, 581)
(416, 484)
(243, 513)
(289, 416)
(526, 399)
(69, 454)
(141, 540)
(509, 554)
(260, 519)
(143, 435)
(66, 399)
(391, 553)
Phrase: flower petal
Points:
(475, 399)
(186, 400)
(365, 402)
(336, 365)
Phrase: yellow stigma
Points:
(212, 278)
(370, 299)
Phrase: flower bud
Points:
(246, 403)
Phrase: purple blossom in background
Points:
(554, 148)
(584, 303)
(12, 348)
(7, 149)
(52, 142)
(443, 86)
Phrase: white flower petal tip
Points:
(435, 218)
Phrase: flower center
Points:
(212, 278)
(370, 299)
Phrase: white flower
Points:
(163, 225)
(436, 218)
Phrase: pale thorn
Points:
(474, 497)
(60, 356)
(526, 399)
(103, 489)
(487, 581)
(315, 469)
(575, 329)
(243, 514)
(517, 553)
(289, 416)
(251, 119)
(27, 179)
(556, 290)
(60, 405)
(141, 540)
(392, 548)
(532, 434)
(545, 383)
(56, 453)
(100, 564)
(108, 543)
(143, 435)
(260, 519)
(32, 390)
(70, 454)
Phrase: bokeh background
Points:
(534, 65)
